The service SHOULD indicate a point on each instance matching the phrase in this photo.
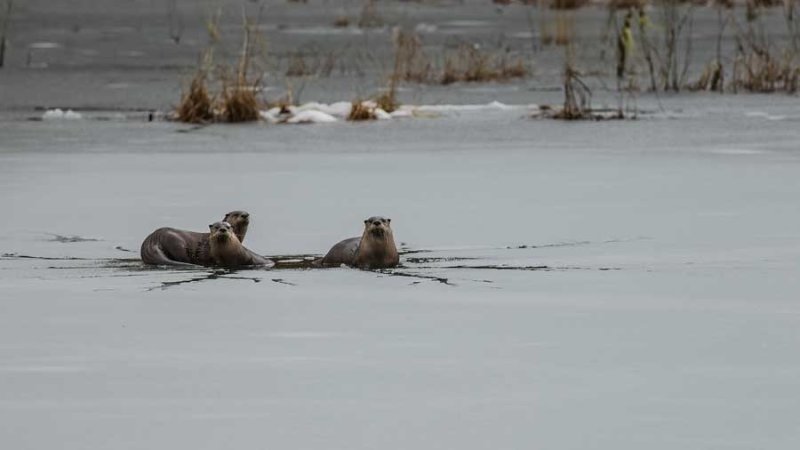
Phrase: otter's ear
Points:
(388, 220)
(211, 227)
(366, 221)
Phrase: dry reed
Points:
(411, 62)
(341, 22)
(471, 64)
(297, 66)
(360, 111)
(196, 104)
(562, 5)
(577, 96)
(6, 18)
(238, 101)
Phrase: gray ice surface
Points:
(666, 316)
(669, 317)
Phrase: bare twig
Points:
(4, 32)
(174, 21)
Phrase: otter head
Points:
(379, 227)
(222, 232)
(239, 221)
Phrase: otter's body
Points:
(171, 246)
(226, 251)
(375, 249)
(342, 253)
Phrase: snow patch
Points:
(321, 31)
(425, 28)
(463, 108)
(764, 115)
(737, 151)
(402, 112)
(311, 116)
(44, 45)
(316, 112)
(338, 109)
(57, 113)
(380, 114)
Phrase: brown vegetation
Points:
(361, 111)
(297, 66)
(758, 66)
(237, 100)
(369, 17)
(765, 72)
(567, 4)
(577, 96)
(467, 63)
(196, 104)
(411, 63)
(712, 79)
(341, 22)
(387, 101)
(471, 64)
(626, 4)
(559, 31)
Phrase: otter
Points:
(170, 246)
(375, 249)
(227, 251)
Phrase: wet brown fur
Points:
(171, 246)
(227, 251)
(375, 249)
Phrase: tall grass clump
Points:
(196, 104)
(758, 65)
(237, 99)
(713, 76)
(411, 62)
(467, 62)
(361, 111)
(676, 19)
(557, 30)
(577, 96)
(239, 102)
(472, 64)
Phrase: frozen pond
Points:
(666, 316)
(564, 286)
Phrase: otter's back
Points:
(342, 253)
(173, 246)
